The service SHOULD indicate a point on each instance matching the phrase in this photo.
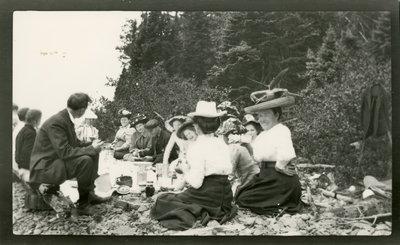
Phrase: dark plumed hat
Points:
(139, 118)
(152, 123)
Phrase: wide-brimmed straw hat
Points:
(187, 124)
(124, 113)
(168, 123)
(139, 118)
(206, 109)
(268, 99)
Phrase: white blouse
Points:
(274, 145)
(207, 156)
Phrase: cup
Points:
(124, 180)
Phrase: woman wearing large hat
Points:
(140, 144)
(123, 135)
(208, 165)
(276, 188)
(173, 125)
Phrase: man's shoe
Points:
(84, 209)
(94, 199)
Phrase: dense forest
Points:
(173, 59)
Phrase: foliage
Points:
(152, 91)
(172, 60)
(329, 117)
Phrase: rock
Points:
(363, 226)
(146, 213)
(382, 233)
(247, 221)
(246, 232)
(363, 233)
(143, 208)
(301, 224)
(213, 223)
(258, 232)
(37, 231)
(17, 232)
(382, 227)
(305, 217)
(260, 221)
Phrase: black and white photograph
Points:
(202, 123)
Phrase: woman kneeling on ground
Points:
(277, 187)
(209, 196)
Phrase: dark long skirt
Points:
(212, 201)
(271, 192)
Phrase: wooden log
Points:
(309, 165)
(337, 196)
(372, 217)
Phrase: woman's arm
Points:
(168, 148)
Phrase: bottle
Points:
(149, 189)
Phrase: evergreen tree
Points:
(197, 52)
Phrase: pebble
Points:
(37, 231)
(260, 221)
(213, 223)
(363, 233)
(142, 208)
(258, 232)
(292, 233)
(304, 217)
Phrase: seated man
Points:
(24, 142)
(159, 140)
(140, 144)
(21, 120)
(58, 155)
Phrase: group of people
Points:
(222, 161)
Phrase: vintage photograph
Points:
(202, 123)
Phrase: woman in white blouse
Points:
(209, 196)
(277, 187)
(122, 140)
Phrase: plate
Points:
(123, 189)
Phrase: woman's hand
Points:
(182, 168)
(289, 169)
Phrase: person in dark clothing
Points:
(25, 140)
(58, 155)
(159, 140)
(140, 143)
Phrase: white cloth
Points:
(86, 132)
(274, 145)
(207, 156)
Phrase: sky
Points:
(58, 53)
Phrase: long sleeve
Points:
(168, 148)
(196, 173)
(64, 150)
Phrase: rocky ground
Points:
(118, 218)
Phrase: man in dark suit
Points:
(58, 155)
(159, 140)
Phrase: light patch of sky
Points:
(58, 53)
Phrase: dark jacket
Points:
(23, 146)
(141, 142)
(158, 143)
(55, 143)
(374, 111)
